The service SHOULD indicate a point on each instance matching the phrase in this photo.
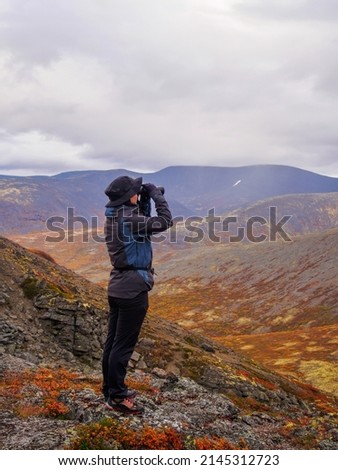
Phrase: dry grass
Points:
(309, 356)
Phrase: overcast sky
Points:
(146, 84)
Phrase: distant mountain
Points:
(197, 394)
(27, 202)
(308, 213)
(202, 188)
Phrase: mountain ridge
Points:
(27, 202)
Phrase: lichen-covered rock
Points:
(35, 433)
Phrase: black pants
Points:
(125, 321)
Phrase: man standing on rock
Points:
(128, 229)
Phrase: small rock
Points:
(207, 347)
(26, 356)
(261, 396)
(293, 400)
(160, 373)
(135, 356)
(142, 365)
(172, 378)
(327, 444)
(248, 420)
(68, 356)
(172, 369)
(244, 392)
(147, 342)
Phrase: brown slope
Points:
(309, 213)
(230, 290)
(254, 288)
(308, 354)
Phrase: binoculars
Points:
(143, 191)
(144, 200)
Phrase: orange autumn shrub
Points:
(110, 434)
(217, 443)
(49, 383)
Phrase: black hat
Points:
(122, 189)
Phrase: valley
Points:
(197, 394)
(250, 297)
(251, 320)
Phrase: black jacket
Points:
(127, 235)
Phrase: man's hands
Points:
(151, 189)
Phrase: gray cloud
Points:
(290, 10)
(144, 85)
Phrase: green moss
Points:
(30, 287)
(191, 340)
(56, 289)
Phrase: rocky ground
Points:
(170, 402)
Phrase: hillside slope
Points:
(309, 213)
(256, 288)
(197, 394)
(237, 289)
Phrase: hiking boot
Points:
(125, 405)
(130, 394)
